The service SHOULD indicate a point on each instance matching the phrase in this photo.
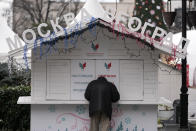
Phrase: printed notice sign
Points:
(109, 69)
(82, 73)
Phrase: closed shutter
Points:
(38, 82)
(58, 79)
(131, 79)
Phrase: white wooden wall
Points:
(111, 49)
(169, 83)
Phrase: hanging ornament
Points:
(153, 1)
(160, 23)
(154, 24)
(152, 12)
(148, 32)
(149, 20)
(146, 9)
(157, 17)
(143, 3)
(158, 7)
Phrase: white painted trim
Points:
(28, 100)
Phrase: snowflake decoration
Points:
(49, 127)
(52, 108)
(128, 120)
(80, 109)
(63, 119)
(120, 127)
(135, 128)
(149, 20)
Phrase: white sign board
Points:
(82, 73)
(109, 69)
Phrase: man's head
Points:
(102, 78)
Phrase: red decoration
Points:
(109, 65)
(97, 46)
(84, 65)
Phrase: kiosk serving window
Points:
(68, 79)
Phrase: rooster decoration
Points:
(94, 47)
(82, 66)
(108, 66)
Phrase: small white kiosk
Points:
(60, 76)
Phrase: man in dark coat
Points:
(101, 93)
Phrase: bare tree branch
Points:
(76, 8)
(34, 12)
(39, 10)
(18, 21)
(47, 11)
(23, 5)
(63, 7)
